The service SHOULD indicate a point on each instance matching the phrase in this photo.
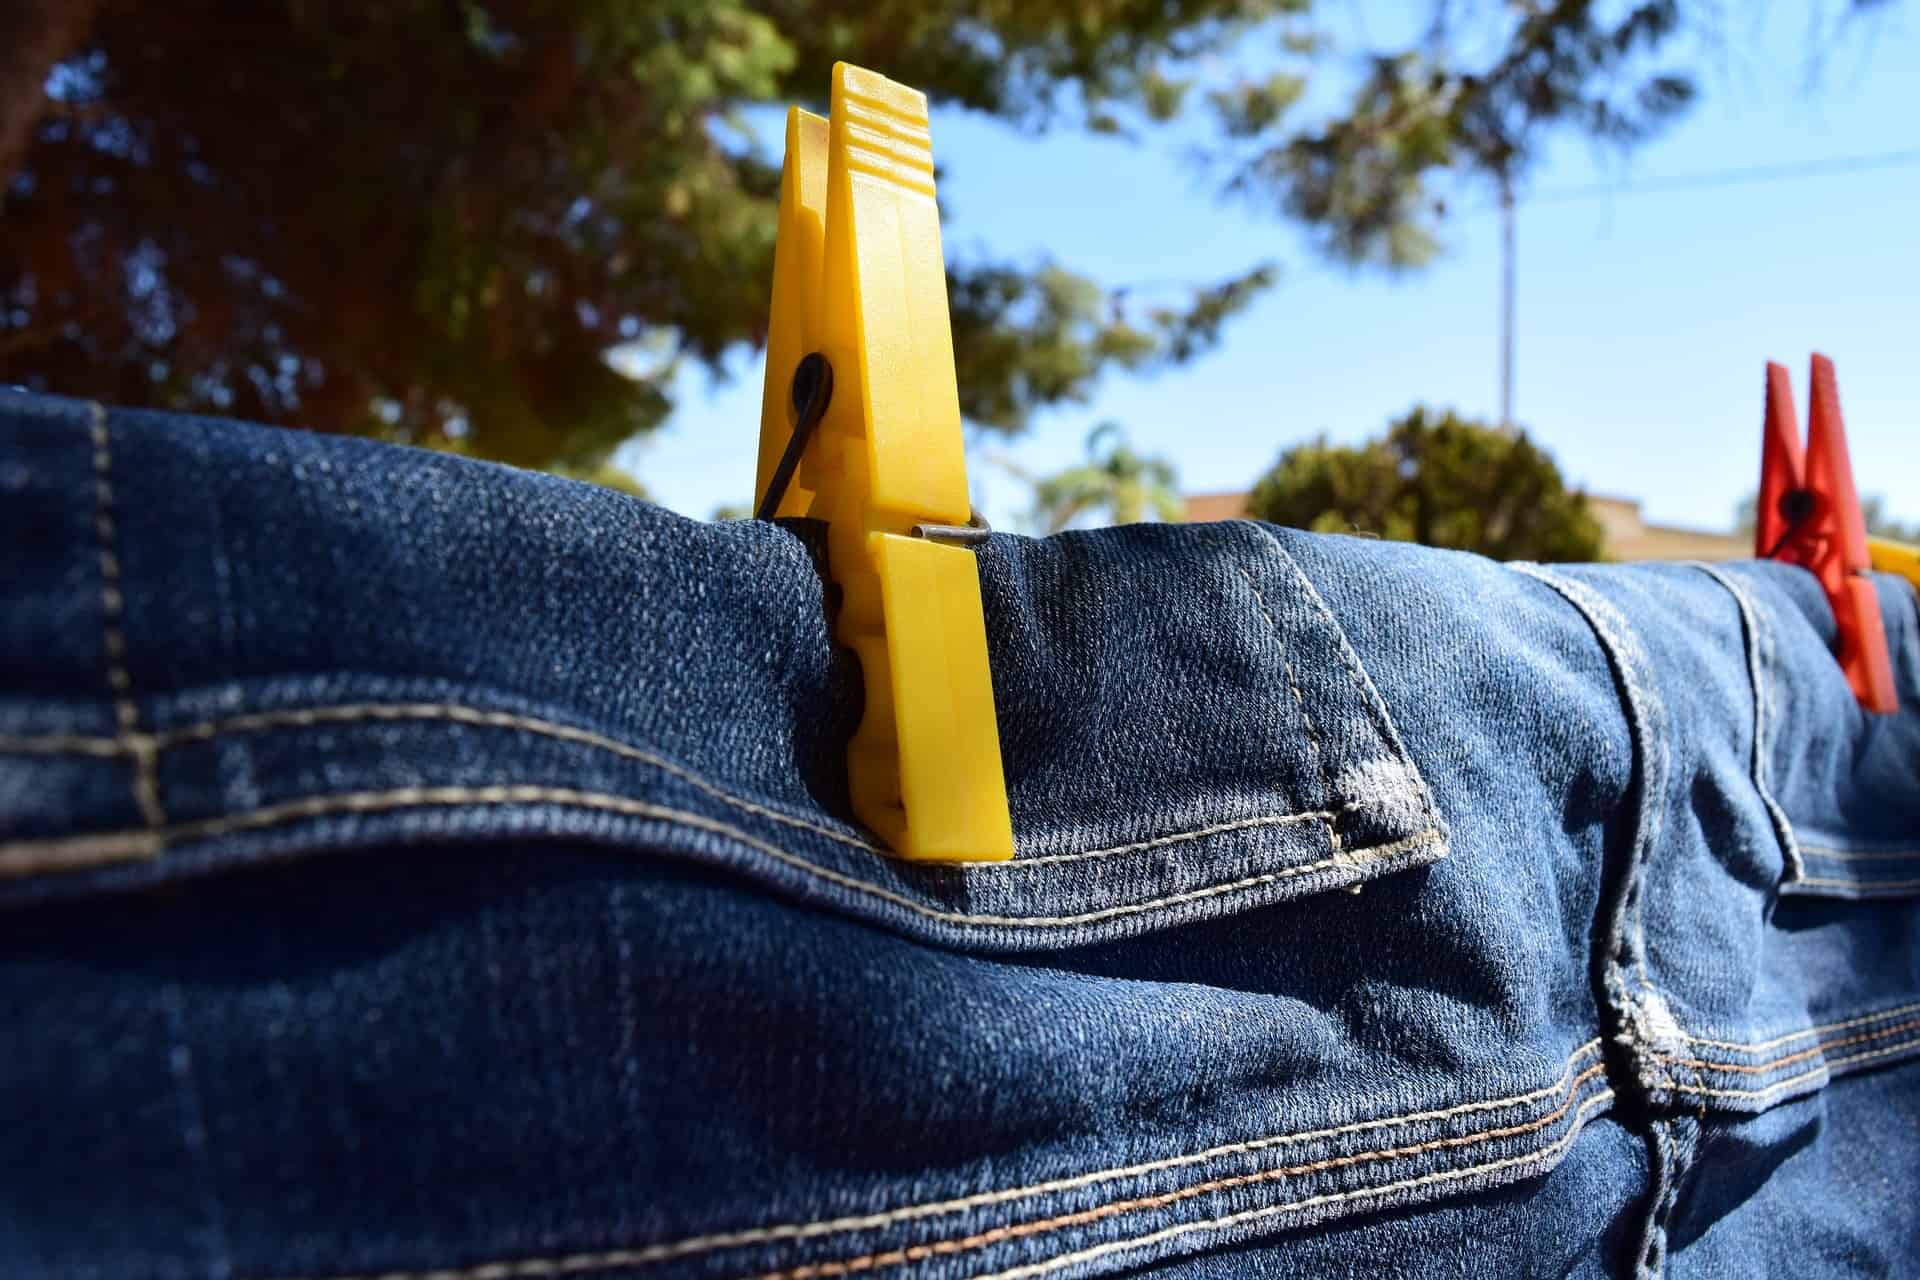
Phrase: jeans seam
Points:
(1220, 828)
(1536, 1157)
(1356, 671)
(1854, 855)
(1759, 653)
(1774, 1064)
(1761, 1046)
(209, 730)
(1825, 1069)
(1651, 1262)
(1116, 1208)
(1863, 888)
(18, 859)
(1646, 717)
(146, 788)
(542, 1268)
(1300, 704)
(450, 712)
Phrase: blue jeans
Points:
(416, 868)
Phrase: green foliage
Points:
(1028, 337)
(1368, 179)
(1114, 485)
(1436, 479)
(433, 221)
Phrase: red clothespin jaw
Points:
(1809, 515)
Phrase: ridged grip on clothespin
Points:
(860, 281)
(1809, 514)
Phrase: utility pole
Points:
(1506, 302)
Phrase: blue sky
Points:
(1644, 318)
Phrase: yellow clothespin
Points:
(860, 427)
(1889, 556)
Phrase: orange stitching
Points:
(1774, 1065)
(963, 1244)
(1824, 1069)
(1879, 1015)
(546, 1268)
(1540, 1159)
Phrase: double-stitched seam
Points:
(1774, 1064)
(1544, 1155)
(1823, 1070)
(1197, 833)
(457, 714)
(547, 1268)
(1646, 718)
(16, 859)
(135, 743)
(1759, 641)
(572, 1263)
(1892, 855)
(1789, 841)
(1300, 704)
(1116, 1208)
(454, 713)
(1864, 888)
(1369, 694)
(146, 784)
(1761, 1046)
(1653, 1250)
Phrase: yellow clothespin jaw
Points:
(860, 427)
(1889, 556)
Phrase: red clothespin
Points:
(1809, 515)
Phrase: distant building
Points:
(1630, 537)
(1627, 534)
(1203, 508)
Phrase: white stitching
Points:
(1198, 833)
(1343, 650)
(1293, 686)
(146, 785)
(1865, 888)
(540, 1268)
(498, 720)
(1764, 616)
(346, 713)
(69, 744)
(22, 857)
(1895, 855)
(1763, 1045)
(1762, 716)
(1214, 1187)
(585, 737)
(1548, 1152)
(1825, 1068)
(1601, 615)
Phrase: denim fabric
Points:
(418, 869)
